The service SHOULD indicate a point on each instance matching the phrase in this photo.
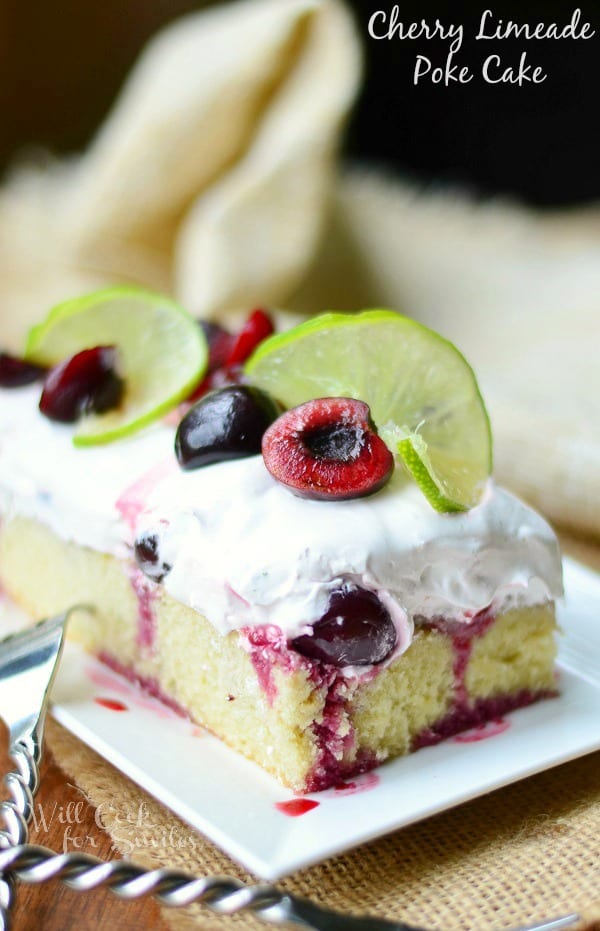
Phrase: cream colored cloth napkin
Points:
(518, 290)
(211, 177)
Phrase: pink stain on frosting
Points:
(237, 596)
(133, 500)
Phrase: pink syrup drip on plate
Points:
(112, 704)
(296, 806)
(362, 784)
(490, 729)
(471, 717)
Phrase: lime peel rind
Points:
(423, 476)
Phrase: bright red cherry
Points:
(257, 327)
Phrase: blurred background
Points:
(62, 64)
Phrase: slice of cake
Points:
(308, 605)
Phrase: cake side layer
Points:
(307, 724)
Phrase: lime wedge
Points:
(422, 393)
(162, 353)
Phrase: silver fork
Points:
(28, 663)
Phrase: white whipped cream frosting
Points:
(245, 551)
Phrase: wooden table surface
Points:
(64, 817)
(52, 907)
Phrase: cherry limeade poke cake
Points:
(293, 538)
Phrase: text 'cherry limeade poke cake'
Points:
(292, 538)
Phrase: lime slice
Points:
(162, 352)
(422, 393)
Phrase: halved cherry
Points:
(328, 449)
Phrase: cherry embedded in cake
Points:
(277, 575)
(356, 630)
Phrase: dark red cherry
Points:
(85, 383)
(356, 630)
(227, 351)
(225, 424)
(328, 449)
(219, 378)
(220, 343)
(256, 328)
(147, 556)
(15, 372)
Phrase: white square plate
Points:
(234, 803)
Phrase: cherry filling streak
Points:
(474, 720)
(333, 733)
(465, 713)
(145, 594)
(146, 684)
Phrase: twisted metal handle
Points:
(16, 813)
(82, 872)
(223, 894)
